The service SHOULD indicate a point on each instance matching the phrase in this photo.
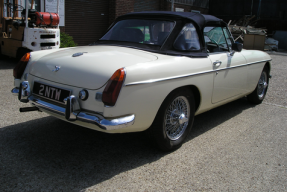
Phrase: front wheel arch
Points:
(255, 97)
(196, 94)
(268, 66)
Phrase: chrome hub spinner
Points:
(174, 117)
(182, 119)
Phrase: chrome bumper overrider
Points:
(72, 111)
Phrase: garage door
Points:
(86, 21)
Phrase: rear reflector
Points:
(21, 66)
(113, 88)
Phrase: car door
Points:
(230, 72)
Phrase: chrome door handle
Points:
(217, 63)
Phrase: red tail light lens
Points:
(21, 66)
(113, 88)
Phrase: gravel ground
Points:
(236, 147)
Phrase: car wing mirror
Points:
(236, 47)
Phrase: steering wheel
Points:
(213, 41)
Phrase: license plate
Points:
(50, 92)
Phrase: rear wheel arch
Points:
(170, 127)
(193, 89)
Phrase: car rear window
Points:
(152, 32)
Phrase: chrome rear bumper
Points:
(73, 112)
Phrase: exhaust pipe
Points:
(28, 109)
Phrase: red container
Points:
(47, 19)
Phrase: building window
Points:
(184, 2)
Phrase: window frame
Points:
(230, 37)
(150, 30)
(229, 48)
(198, 39)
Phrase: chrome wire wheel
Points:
(259, 93)
(177, 117)
(262, 85)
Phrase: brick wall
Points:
(86, 21)
(119, 7)
(112, 11)
(62, 29)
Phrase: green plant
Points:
(66, 40)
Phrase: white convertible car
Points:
(151, 71)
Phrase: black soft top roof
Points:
(200, 19)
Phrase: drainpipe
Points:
(172, 5)
(26, 15)
(251, 8)
(259, 9)
(58, 5)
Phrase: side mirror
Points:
(236, 47)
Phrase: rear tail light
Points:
(113, 88)
(21, 66)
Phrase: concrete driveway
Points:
(236, 147)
